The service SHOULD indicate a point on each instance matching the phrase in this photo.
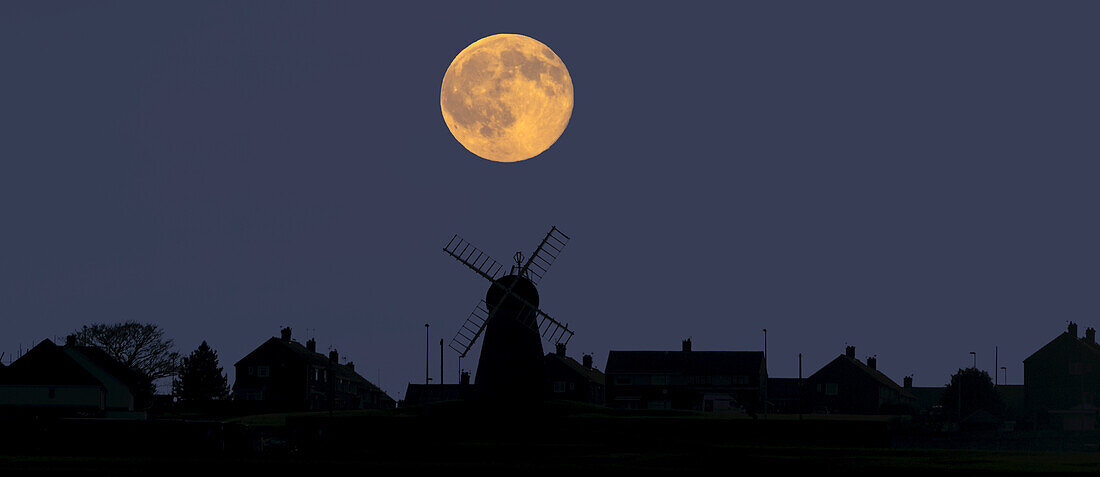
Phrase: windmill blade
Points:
(552, 330)
(545, 255)
(470, 330)
(470, 256)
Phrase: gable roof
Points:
(686, 362)
(48, 363)
(1066, 339)
(303, 354)
(591, 374)
(875, 374)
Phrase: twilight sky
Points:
(916, 179)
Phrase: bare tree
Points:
(141, 347)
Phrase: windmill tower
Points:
(511, 362)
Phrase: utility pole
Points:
(975, 355)
(765, 373)
(996, 362)
(800, 393)
(426, 352)
(441, 389)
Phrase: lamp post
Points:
(765, 373)
(1006, 375)
(975, 355)
(427, 350)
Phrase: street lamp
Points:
(765, 377)
(1006, 374)
(975, 355)
(427, 350)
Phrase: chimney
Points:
(1090, 335)
(70, 341)
(285, 333)
(1072, 329)
(334, 356)
(587, 361)
(908, 380)
(850, 351)
(686, 345)
(351, 365)
(311, 345)
(560, 349)
(872, 362)
(465, 379)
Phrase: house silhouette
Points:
(282, 375)
(1062, 381)
(70, 380)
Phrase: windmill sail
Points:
(553, 331)
(470, 256)
(470, 330)
(545, 255)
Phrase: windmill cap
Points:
(520, 286)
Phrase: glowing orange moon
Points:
(506, 97)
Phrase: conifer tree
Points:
(200, 377)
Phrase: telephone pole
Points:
(426, 352)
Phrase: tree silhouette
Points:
(140, 346)
(200, 377)
(972, 389)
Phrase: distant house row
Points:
(280, 375)
(738, 381)
(1061, 383)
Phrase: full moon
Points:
(506, 97)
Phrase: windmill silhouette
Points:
(511, 361)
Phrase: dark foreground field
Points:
(565, 458)
(553, 437)
(568, 458)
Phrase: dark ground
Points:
(554, 438)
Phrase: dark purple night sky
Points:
(919, 179)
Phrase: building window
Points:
(251, 370)
(658, 380)
(741, 380)
(623, 380)
(263, 371)
(721, 380)
(572, 386)
(831, 389)
(559, 386)
(53, 393)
